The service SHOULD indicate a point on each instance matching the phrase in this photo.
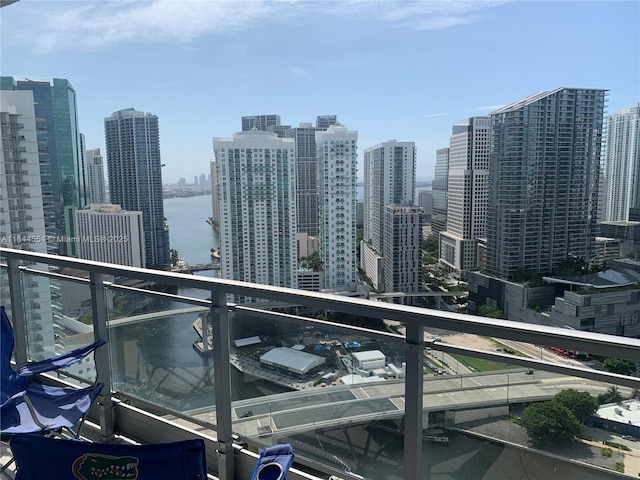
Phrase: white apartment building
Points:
(107, 233)
(22, 224)
(468, 194)
(256, 181)
(622, 165)
(337, 167)
(94, 176)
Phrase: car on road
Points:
(247, 414)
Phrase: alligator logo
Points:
(93, 466)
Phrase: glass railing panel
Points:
(57, 316)
(153, 353)
(492, 418)
(316, 387)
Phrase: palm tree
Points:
(612, 395)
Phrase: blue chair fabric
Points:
(45, 458)
(274, 462)
(29, 407)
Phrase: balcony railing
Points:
(160, 388)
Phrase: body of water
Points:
(189, 232)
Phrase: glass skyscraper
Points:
(60, 157)
(132, 141)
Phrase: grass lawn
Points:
(480, 365)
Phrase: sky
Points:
(390, 69)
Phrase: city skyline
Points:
(119, 55)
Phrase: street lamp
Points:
(507, 390)
(269, 414)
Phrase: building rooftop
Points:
(627, 411)
(293, 360)
(368, 355)
(606, 279)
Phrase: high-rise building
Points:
(467, 194)
(215, 202)
(402, 249)
(112, 235)
(132, 140)
(60, 154)
(325, 121)
(425, 200)
(543, 194)
(22, 224)
(259, 122)
(256, 181)
(336, 174)
(389, 178)
(94, 176)
(622, 165)
(306, 171)
(439, 188)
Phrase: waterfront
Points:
(158, 364)
(189, 232)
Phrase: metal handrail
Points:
(415, 320)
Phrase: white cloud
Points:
(299, 71)
(95, 25)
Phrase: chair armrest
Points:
(61, 361)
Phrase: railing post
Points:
(222, 372)
(101, 355)
(18, 318)
(413, 410)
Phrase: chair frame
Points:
(21, 395)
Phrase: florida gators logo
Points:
(93, 466)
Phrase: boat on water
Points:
(199, 345)
(215, 253)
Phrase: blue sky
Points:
(404, 70)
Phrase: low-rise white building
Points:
(292, 362)
(369, 360)
(623, 418)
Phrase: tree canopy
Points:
(617, 365)
(174, 256)
(489, 311)
(312, 262)
(581, 404)
(550, 423)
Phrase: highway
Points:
(312, 408)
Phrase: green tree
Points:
(174, 256)
(312, 262)
(550, 423)
(489, 311)
(617, 365)
(581, 404)
(572, 266)
(612, 395)
(430, 246)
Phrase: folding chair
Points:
(44, 458)
(30, 407)
(274, 462)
